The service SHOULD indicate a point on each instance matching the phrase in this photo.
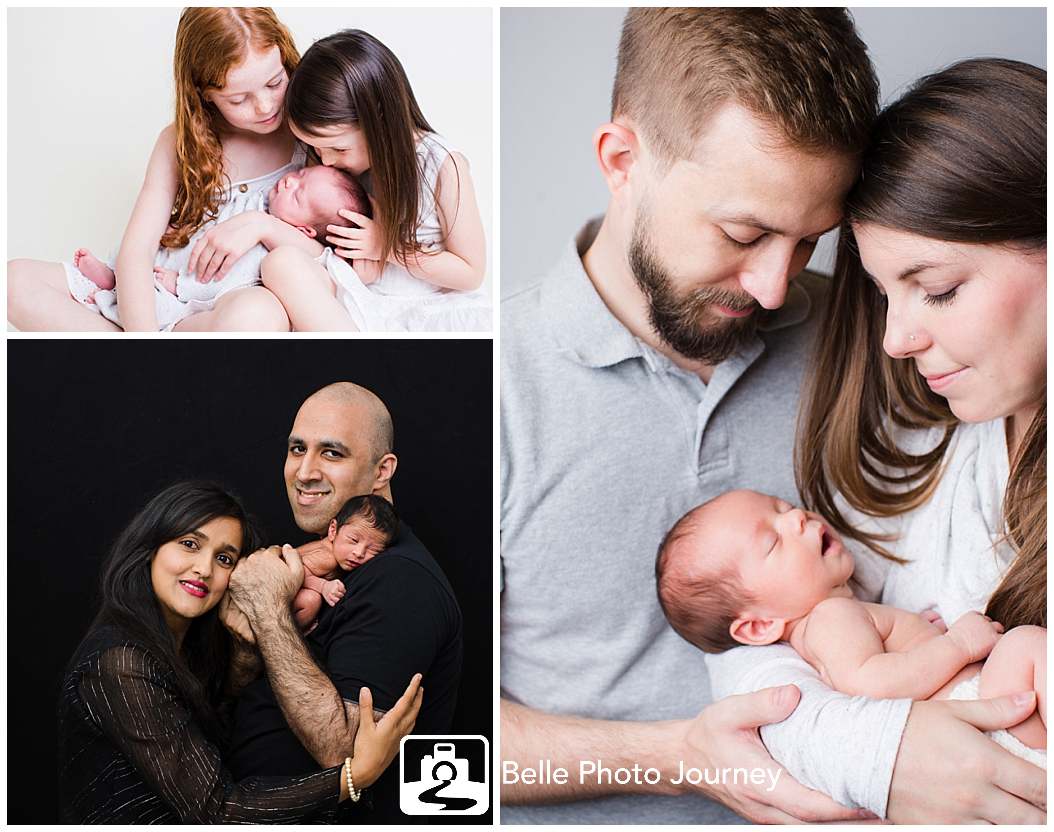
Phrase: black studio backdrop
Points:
(96, 427)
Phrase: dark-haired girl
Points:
(423, 248)
(923, 438)
(140, 726)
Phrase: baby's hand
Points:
(333, 591)
(976, 635)
(933, 617)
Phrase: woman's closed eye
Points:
(941, 298)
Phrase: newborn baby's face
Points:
(789, 559)
(357, 542)
(300, 198)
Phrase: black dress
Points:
(130, 751)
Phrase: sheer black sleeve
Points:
(136, 705)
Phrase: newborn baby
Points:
(307, 199)
(362, 529)
(746, 568)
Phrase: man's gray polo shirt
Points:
(605, 443)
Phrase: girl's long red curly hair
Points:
(209, 41)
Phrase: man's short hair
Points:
(700, 604)
(355, 199)
(805, 71)
(378, 513)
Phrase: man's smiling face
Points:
(330, 459)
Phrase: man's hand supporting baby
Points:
(722, 736)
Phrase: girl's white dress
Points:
(192, 296)
(398, 301)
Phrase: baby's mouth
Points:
(827, 542)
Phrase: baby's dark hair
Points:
(700, 604)
(355, 199)
(378, 513)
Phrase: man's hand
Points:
(265, 582)
(725, 736)
(947, 771)
(236, 622)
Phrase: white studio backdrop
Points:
(90, 89)
(557, 68)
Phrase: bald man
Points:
(398, 616)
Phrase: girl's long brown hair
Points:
(209, 41)
(961, 157)
(351, 78)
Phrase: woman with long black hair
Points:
(141, 730)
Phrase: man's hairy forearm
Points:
(245, 666)
(324, 723)
(530, 737)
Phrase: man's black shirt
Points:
(398, 617)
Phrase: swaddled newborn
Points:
(747, 568)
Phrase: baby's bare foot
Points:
(167, 278)
(94, 269)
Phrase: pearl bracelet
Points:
(354, 795)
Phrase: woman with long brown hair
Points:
(227, 146)
(933, 363)
(922, 437)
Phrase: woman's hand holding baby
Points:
(947, 771)
(236, 622)
(976, 635)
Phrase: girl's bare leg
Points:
(305, 290)
(252, 309)
(1017, 663)
(38, 300)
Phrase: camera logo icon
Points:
(444, 775)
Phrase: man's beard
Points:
(688, 323)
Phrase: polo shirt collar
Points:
(581, 323)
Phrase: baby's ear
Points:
(307, 230)
(757, 631)
(331, 535)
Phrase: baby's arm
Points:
(221, 247)
(319, 561)
(844, 642)
(150, 218)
